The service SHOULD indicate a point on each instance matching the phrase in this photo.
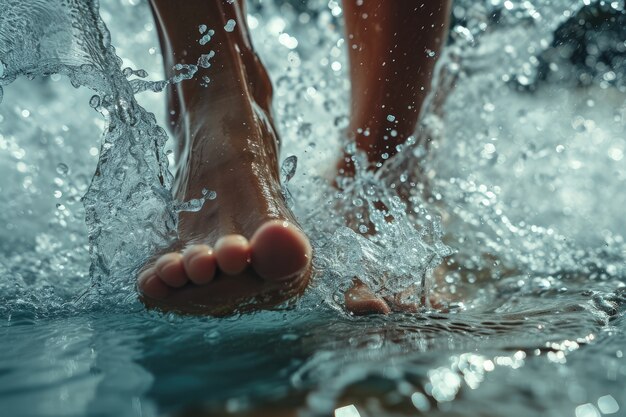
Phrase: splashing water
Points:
(520, 153)
(70, 38)
(129, 210)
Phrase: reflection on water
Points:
(138, 364)
(525, 167)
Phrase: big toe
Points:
(279, 250)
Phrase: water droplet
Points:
(207, 37)
(461, 32)
(363, 228)
(608, 405)
(288, 169)
(204, 60)
(202, 28)
(94, 101)
(304, 130)
(230, 25)
(341, 122)
(63, 169)
(391, 117)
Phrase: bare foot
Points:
(273, 265)
(243, 249)
(361, 300)
(391, 77)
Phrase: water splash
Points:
(389, 255)
(70, 38)
(132, 180)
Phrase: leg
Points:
(245, 244)
(393, 47)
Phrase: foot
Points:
(243, 249)
(360, 300)
(234, 273)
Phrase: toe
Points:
(152, 286)
(361, 300)
(232, 253)
(170, 269)
(200, 264)
(279, 250)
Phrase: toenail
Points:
(197, 250)
(232, 239)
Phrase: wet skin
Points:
(245, 249)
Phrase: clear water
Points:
(521, 205)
